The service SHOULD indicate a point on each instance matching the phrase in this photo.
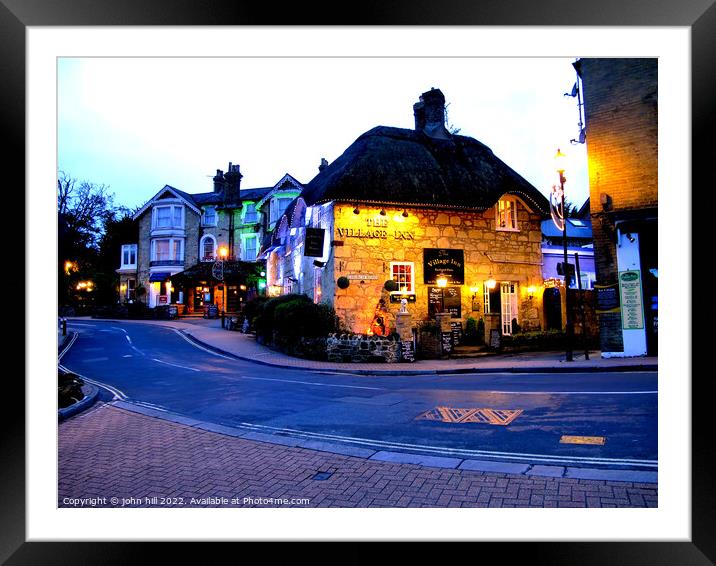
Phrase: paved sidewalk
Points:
(109, 452)
(210, 333)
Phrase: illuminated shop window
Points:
(404, 275)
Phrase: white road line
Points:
(567, 392)
(90, 360)
(312, 383)
(113, 390)
(68, 346)
(127, 356)
(69, 322)
(459, 451)
(151, 405)
(175, 365)
(201, 347)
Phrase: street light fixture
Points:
(559, 160)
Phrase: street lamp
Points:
(559, 160)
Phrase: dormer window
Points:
(506, 210)
(209, 216)
(250, 216)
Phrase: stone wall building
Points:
(437, 214)
(621, 116)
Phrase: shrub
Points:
(251, 310)
(481, 331)
(301, 317)
(390, 285)
(472, 337)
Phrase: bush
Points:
(535, 341)
(303, 318)
(69, 389)
(251, 310)
(473, 336)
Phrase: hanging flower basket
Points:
(343, 282)
(390, 285)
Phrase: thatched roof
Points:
(407, 167)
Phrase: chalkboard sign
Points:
(607, 298)
(446, 341)
(452, 301)
(435, 301)
(173, 311)
(407, 351)
(211, 311)
(495, 339)
(456, 332)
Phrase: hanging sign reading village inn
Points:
(443, 263)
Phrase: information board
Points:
(456, 332)
(495, 339)
(631, 300)
(448, 263)
(313, 244)
(607, 298)
(435, 301)
(452, 301)
(446, 342)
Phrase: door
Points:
(508, 300)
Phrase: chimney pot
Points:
(430, 114)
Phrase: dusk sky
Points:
(136, 124)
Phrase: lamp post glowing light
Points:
(223, 252)
(559, 161)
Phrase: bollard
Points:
(223, 325)
(64, 327)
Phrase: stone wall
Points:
(514, 256)
(362, 348)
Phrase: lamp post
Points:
(569, 329)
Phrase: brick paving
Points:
(109, 452)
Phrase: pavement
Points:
(112, 457)
(209, 333)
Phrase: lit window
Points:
(317, 287)
(403, 275)
(507, 214)
(209, 216)
(167, 249)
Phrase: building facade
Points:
(621, 116)
(422, 215)
(199, 249)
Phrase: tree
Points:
(119, 228)
(82, 209)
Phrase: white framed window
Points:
(167, 249)
(207, 248)
(403, 273)
(486, 298)
(250, 248)
(287, 285)
(250, 214)
(129, 256)
(169, 216)
(209, 216)
(506, 210)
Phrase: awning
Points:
(159, 276)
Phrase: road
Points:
(160, 368)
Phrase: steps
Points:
(469, 352)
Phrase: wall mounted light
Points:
(382, 212)
(531, 291)
(405, 213)
(490, 283)
(356, 210)
(441, 281)
(474, 290)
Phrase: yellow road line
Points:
(566, 439)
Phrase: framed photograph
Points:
(298, 42)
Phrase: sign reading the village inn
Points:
(375, 228)
(440, 262)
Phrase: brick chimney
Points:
(219, 181)
(232, 186)
(430, 114)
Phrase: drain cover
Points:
(320, 476)
(485, 416)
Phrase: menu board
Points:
(435, 301)
(456, 332)
(446, 340)
(495, 339)
(407, 351)
(631, 300)
(452, 301)
(173, 311)
(211, 311)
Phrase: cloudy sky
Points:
(136, 124)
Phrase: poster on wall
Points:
(313, 244)
(442, 262)
(631, 300)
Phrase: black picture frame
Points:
(17, 15)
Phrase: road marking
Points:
(568, 392)
(501, 417)
(113, 390)
(69, 322)
(68, 346)
(175, 365)
(127, 356)
(459, 451)
(312, 383)
(88, 360)
(151, 406)
(600, 440)
(201, 347)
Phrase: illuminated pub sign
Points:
(440, 262)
